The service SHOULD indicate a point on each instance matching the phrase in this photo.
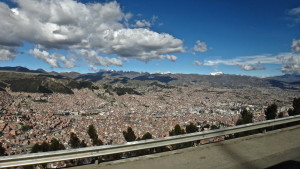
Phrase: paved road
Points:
(280, 147)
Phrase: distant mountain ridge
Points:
(136, 79)
(22, 69)
(286, 78)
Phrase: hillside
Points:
(40, 83)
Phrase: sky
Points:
(257, 38)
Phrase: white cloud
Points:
(294, 11)
(142, 23)
(250, 67)
(54, 60)
(51, 59)
(291, 63)
(141, 44)
(200, 46)
(216, 73)
(68, 63)
(295, 15)
(93, 68)
(171, 57)
(93, 58)
(72, 25)
(198, 63)
(244, 60)
(7, 53)
(296, 45)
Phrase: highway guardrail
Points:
(62, 155)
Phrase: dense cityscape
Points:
(33, 118)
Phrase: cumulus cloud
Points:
(142, 23)
(171, 57)
(51, 59)
(141, 44)
(200, 46)
(250, 67)
(68, 63)
(7, 53)
(93, 68)
(198, 63)
(291, 63)
(296, 45)
(54, 60)
(72, 25)
(93, 58)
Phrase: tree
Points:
(280, 115)
(2, 150)
(94, 136)
(214, 127)
(56, 145)
(129, 135)
(246, 117)
(26, 127)
(74, 141)
(97, 142)
(92, 132)
(44, 147)
(191, 128)
(36, 148)
(147, 136)
(83, 144)
(296, 106)
(271, 111)
(290, 112)
(176, 131)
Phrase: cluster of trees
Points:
(130, 136)
(270, 112)
(74, 142)
(25, 127)
(44, 147)
(191, 128)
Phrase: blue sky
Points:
(257, 37)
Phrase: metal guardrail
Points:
(62, 155)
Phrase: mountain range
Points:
(27, 80)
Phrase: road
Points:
(272, 150)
